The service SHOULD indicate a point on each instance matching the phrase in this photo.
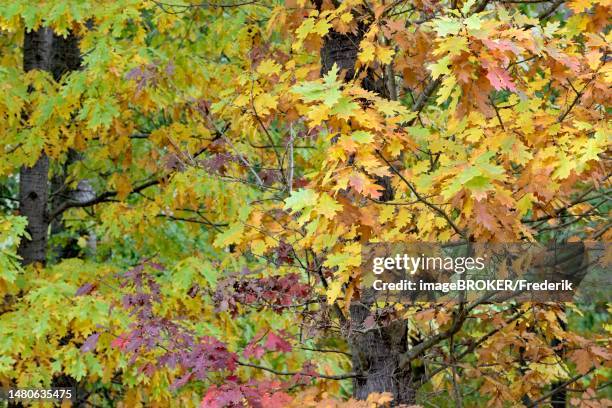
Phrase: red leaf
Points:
(176, 384)
(277, 400)
(120, 342)
(502, 45)
(357, 182)
(225, 396)
(373, 190)
(499, 78)
(253, 350)
(276, 343)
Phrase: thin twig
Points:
(326, 351)
(422, 199)
(290, 164)
(346, 376)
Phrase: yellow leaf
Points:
(305, 28)
(387, 212)
(438, 380)
(366, 55)
(258, 247)
(264, 102)
(124, 187)
(473, 135)
(327, 206)
(322, 27)
(524, 204)
(231, 235)
(346, 17)
(318, 114)
(438, 145)
(82, 242)
(333, 291)
(452, 46)
(269, 67)
(385, 54)
(445, 90)
(578, 6)
(395, 147)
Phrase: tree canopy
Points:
(186, 189)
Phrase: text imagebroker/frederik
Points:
(473, 285)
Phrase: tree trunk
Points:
(375, 352)
(33, 188)
(43, 50)
(33, 194)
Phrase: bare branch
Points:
(106, 196)
(472, 347)
(290, 164)
(346, 376)
(196, 221)
(318, 350)
(422, 99)
(550, 9)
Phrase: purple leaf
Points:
(90, 343)
(180, 382)
(86, 289)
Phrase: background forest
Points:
(186, 188)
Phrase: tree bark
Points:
(42, 50)
(376, 352)
(33, 194)
(33, 187)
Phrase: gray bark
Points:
(33, 194)
(376, 352)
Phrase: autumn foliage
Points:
(214, 170)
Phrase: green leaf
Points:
(6, 364)
(440, 67)
(344, 108)
(362, 136)
(473, 22)
(525, 204)
(230, 236)
(327, 206)
(327, 91)
(418, 131)
(301, 199)
(446, 26)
